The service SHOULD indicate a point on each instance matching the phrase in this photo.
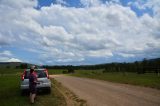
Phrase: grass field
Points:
(56, 71)
(20, 71)
(10, 71)
(148, 79)
(10, 92)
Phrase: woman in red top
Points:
(32, 85)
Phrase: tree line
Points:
(140, 67)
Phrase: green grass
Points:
(148, 79)
(4, 71)
(10, 71)
(56, 71)
(20, 71)
(10, 94)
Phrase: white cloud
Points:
(126, 55)
(67, 34)
(7, 56)
(99, 53)
(18, 4)
(62, 2)
(14, 60)
(5, 53)
(151, 4)
(88, 3)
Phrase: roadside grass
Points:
(10, 94)
(71, 98)
(147, 80)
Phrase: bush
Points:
(71, 70)
(64, 72)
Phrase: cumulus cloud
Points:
(67, 34)
(13, 60)
(154, 5)
(5, 53)
(62, 2)
(89, 3)
(7, 56)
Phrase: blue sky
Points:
(77, 32)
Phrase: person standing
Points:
(32, 85)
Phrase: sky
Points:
(79, 32)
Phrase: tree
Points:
(144, 65)
(23, 65)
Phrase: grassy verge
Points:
(10, 94)
(148, 79)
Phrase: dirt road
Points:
(103, 93)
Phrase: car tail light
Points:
(22, 77)
(46, 71)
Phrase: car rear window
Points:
(40, 74)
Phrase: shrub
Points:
(71, 70)
(64, 72)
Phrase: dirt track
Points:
(103, 93)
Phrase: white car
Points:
(42, 77)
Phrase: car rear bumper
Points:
(39, 86)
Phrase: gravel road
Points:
(103, 93)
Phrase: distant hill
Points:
(10, 64)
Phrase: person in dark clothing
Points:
(32, 85)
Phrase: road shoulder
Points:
(71, 98)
